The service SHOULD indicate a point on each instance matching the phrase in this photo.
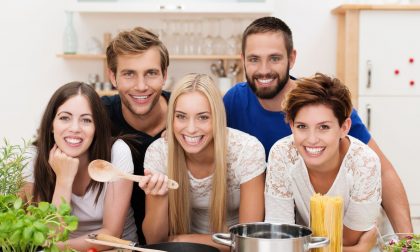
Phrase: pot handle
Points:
(318, 242)
(222, 238)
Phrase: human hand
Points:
(64, 166)
(368, 240)
(154, 183)
(176, 238)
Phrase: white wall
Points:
(31, 36)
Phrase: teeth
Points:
(192, 139)
(73, 140)
(314, 150)
(140, 97)
(264, 81)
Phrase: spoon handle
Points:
(172, 184)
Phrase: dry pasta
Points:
(327, 220)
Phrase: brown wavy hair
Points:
(99, 149)
(319, 89)
(136, 41)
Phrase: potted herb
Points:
(12, 162)
(25, 226)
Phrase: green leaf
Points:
(64, 235)
(15, 238)
(27, 233)
(18, 203)
(39, 238)
(65, 209)
(43, 206)
(73, 225)
(54, 248)
(4, 227)
(40, 227)
(18, 224)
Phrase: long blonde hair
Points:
(179, 200)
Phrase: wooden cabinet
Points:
(378, 57)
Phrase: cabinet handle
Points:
(369, 74)
(368, 116)
(171, 7)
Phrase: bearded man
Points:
(255, 106)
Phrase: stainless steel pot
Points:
(261, 236)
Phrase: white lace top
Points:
(358, 182)
(246, 160)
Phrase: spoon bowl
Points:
(104, 171)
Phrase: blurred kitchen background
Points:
(33, 65)
(47, 43)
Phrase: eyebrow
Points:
(153, 69)
(65, 112)
(126, 70)
(200, 113)
(133, 70)
(270, 55)
(323, 122)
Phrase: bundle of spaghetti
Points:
(327, 221)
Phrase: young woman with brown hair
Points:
(75, 130)
(320, 157)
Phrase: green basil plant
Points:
(25, 226)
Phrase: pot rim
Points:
(273, 224)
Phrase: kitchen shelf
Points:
(206, 7)
(82, 56)
(223, 57)
(205, 57)
(174, 57)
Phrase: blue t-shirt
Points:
(244, 112)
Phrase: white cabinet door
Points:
(395, 126)
(387, 42)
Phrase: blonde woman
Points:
(220, 170)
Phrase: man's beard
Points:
(268, 92)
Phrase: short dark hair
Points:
(319, 89)
(136, 41)
(269, 24)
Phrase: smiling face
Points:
(267, 63)
(317, 134)
(192, 124)
(139, 81)
(73, 126)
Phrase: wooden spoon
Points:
(103, 171)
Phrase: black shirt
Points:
(138, 146)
